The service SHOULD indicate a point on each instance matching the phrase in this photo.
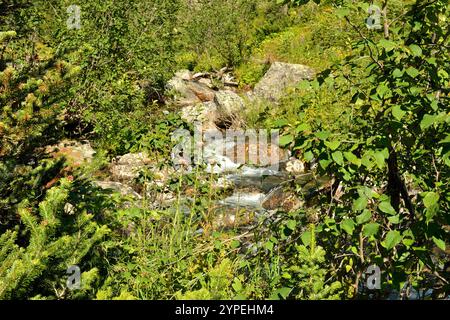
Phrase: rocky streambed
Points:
(255, 171)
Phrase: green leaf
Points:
(237, 285)
(397, 73)
(322, 135)
(430, 199)
(324, 163)
(283, 293)
(394, 219)
(279, 123)
(408, 241)
(352, 158)
(398, 113)
(387, 44)
(446, 140)
(379, 159)
(427, 121)
(360, 204)
(285, 140)
(291, 224)
(269, 245)
(365, 216)
(338, 157)
(306, 238)
(348, 225)
(342, 12)
(367, 160)
(333, 145)
(392, 239)
(412, 72)
(416, 50)
(386, 207)
(235, 244)
(440, 243)
(308, 156)
(303, 127)
(370, 229)
(382, 90)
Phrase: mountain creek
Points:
(254, 178)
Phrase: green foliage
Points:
(135, 37)
(305, 277)
(221, 33)
(394, 145)
(216, 286)
(55, 241)
(318, 39)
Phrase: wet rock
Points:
(258, 178)
(279, 77)
(245, 199)
(76, 153)
(279, 198)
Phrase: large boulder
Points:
(279, 77)
(229, 102)
(224, 111)
(229, 108)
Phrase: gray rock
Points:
(118, 187)
(203, 113)
(127, 167)
(76, 153)
(229, 103)
(183, 74)
(279, 77)
(230, 107)
(186, 92)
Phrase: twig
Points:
(367, 43)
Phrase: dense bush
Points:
(391, 162)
